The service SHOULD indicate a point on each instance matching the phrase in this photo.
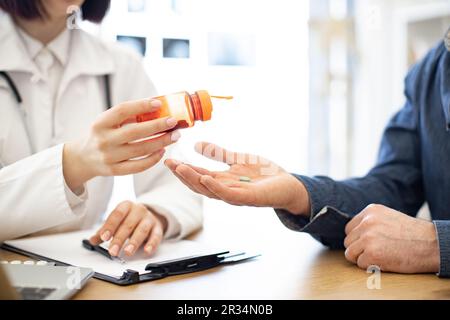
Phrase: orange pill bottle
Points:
(185, 107)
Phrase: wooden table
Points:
(292, 266)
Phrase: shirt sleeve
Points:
(443, 234)
(76, 199)
(33, 195)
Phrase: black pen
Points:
(87, 244)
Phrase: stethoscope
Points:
(15, 91)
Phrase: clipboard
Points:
(158, 270)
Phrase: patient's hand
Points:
(391, 240)
(250, 181)
(133, 222)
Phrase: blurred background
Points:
(314, 82)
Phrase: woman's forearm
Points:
(76, 171)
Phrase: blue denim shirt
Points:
(413, 164)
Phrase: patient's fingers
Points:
(192, 177)
(236, 196)
(353, 252)
(172, 164)
(356, 220)
(201, 171)
(189, 176)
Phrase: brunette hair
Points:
(93, 10)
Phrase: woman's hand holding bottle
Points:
(112, 149)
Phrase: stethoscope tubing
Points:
(22, 112)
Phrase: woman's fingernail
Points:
(149, 248)
(155, 103)
(129, 249)
(106, 235)
(114, 250)
(171, 122)
(175, 136)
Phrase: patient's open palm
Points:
(250, 180)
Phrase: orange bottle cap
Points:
(206, 104)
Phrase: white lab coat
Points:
(33, 197)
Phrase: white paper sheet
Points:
(67, 248)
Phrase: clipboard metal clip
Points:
(175, 267)
(182, 266)
(187, 264)
(130, 276)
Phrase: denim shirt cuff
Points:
(443, 234)
(317, 192)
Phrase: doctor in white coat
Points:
(59, 148)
